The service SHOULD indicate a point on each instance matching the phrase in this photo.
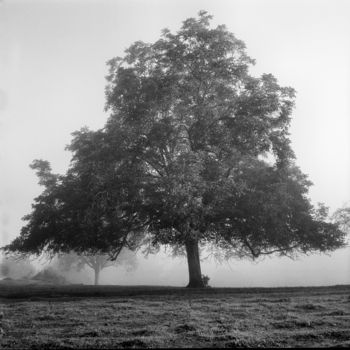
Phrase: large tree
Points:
(197, 151)
(211, 146)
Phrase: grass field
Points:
(73, 316)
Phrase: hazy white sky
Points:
(52, 68)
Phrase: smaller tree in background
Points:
(73, 261)
(342, 218)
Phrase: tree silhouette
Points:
(196, 151)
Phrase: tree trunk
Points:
(97, 275)
(194, 265)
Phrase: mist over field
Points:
(164, 270)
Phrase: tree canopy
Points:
(195, 151)
(75, 213)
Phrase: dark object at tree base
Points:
(196, 284)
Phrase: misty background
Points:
(52, 66)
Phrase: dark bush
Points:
(50, 275)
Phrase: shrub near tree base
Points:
(183, 158)
(205, 280)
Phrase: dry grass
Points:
(175, 317)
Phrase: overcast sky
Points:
(52, 66)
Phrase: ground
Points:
(76, 316)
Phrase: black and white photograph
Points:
(174, 174)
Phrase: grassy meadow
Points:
(78, 316)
